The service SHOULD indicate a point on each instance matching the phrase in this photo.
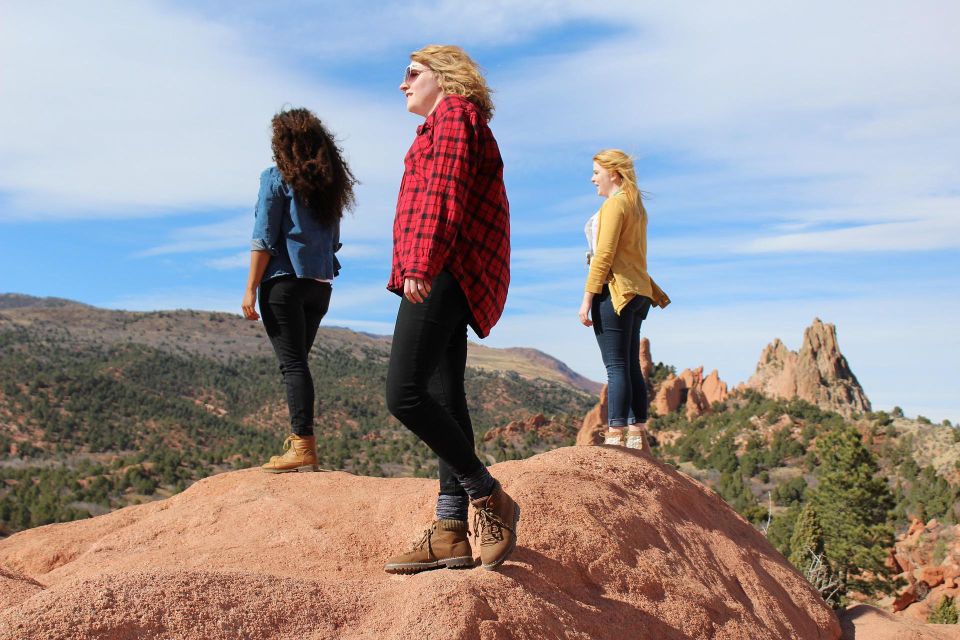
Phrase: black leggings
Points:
(425, 378)
(291, 309)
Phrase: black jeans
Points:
(291, 309)
(619, 340)
(425, 378)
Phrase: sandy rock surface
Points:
(613, 544)
(862, 622)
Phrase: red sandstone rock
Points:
(669, 395)
(646, 362)
(933, 576)
(907, 597)
(862, 622)
(594, 423)
(16, 587)
(613, 544)
(516, 429)
(818, 373)
(892, 563)
(714, 389)
(916, 528)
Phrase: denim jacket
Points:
(286, 227)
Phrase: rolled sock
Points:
(478, 484)
(452, 507)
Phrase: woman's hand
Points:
(249, 305)
(415, 290)
(585, 309)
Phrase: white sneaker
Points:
(636, 441)
(614, 439)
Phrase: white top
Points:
(590, 230)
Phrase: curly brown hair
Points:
(312, 164)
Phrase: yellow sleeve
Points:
(659, 296)
(609, 226)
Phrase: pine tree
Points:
(853, 506)
(807, 538)
(944, 613)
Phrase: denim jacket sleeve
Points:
(268, 215)
(337, 245)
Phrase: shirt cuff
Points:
(261, 245)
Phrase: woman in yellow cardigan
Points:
(619, 293)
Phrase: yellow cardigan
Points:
(621, 254)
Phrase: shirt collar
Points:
(448, 102)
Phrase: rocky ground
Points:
(613, 544)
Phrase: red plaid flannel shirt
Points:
(452, 211)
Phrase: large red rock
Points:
(714, 389)
(862, 622)
(646, 362)
(929, 556)
(613, 544)
(594, 423)
(669, 395)
(696, 403)
(818, 373)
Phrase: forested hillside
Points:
(99, 409)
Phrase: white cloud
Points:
(119, 109)
(916, 235)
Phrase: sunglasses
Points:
(411, 73)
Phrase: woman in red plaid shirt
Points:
(451, 265)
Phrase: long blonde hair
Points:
(620, 163)
(457, 74)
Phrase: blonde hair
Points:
(620, 163)
(457, 74)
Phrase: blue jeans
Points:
(619, 339)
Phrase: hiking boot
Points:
(444, 544)
(300, 455)
(495, 523)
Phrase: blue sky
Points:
(801, 160)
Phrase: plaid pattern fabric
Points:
(452, 211)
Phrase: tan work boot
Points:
(444, 544)
(495, 522)
(300, 455)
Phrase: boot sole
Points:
(461, 562)
(303, 469)
(505, 556)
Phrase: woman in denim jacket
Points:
(296, 233)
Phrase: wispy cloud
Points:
(166, 111)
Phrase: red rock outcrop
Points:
(696, 404)
(669, 395)
(928, 557)
(690, 390)
(646, 364)
(594, 423)
(517, 429)
(862, 622)
(613, 544)
(818, 373)
(714, 389)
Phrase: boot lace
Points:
(488, 526)
(424, 540)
